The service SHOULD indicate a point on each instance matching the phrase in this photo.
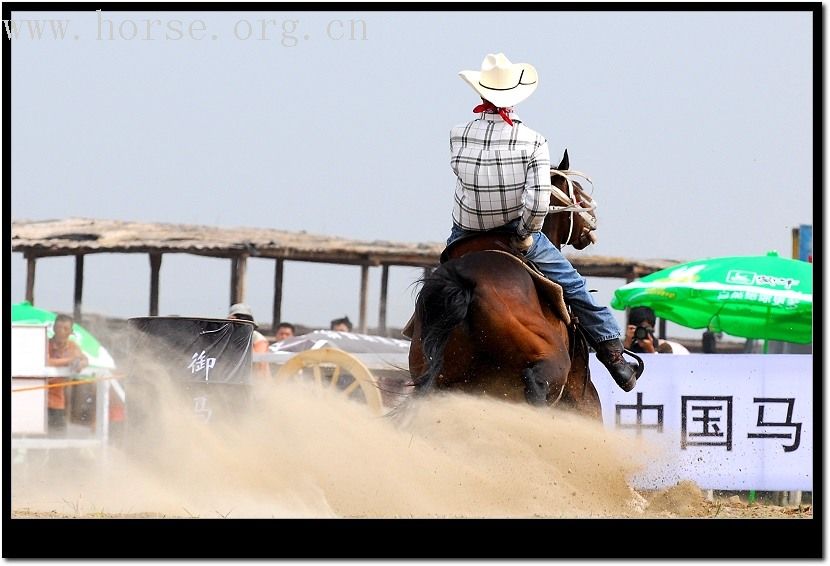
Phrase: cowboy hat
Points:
(501, 82)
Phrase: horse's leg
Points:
(583, 398)
(580, 393)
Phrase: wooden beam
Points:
(155, 269)
(278, 270)
(79, 287)
(238, 267)
(384, 288)
(30, 278)
(364, 293)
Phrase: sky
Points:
(695, 127)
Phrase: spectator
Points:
(709, 342)
(242, 311)
(640, 338)
(284, 330)
(62, 352)
(341, 324)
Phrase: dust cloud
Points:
(296, 451)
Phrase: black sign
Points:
(199, 350)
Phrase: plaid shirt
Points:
(503, 174)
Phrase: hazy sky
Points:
(696, 128)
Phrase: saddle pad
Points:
(546, 288)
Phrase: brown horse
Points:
(484, 323)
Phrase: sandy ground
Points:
(300, 453)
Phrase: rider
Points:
(503, 183)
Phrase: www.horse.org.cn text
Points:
(285, 32)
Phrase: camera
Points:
(642, 332)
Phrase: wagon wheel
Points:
(332, 368)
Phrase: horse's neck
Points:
(556, 232)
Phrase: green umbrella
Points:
(764, 297)
(25, 313)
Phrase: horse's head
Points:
(572, 218)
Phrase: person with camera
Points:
(639, 334)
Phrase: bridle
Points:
(570, 203)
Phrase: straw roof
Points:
(78, 236)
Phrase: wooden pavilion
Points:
(78, 237)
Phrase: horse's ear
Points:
(565, 164)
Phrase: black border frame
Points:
(421, 538)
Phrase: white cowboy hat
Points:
(501, 82)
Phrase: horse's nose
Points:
(592, 236)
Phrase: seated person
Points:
(284, 330)
(61, 352)
(341, 324)
(242, 311)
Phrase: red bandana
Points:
(488, 106)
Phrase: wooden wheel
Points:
(335, 369)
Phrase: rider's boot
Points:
(610, 354)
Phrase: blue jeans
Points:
(597, 321)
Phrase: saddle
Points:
(499, 242)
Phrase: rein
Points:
(571, 204)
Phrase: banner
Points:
(805, 242)
(724, 421)
(198, 350)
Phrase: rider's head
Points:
(501, 82)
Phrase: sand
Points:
(299, 452)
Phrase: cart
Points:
(208, 363)
(370, 369)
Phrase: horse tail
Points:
(443, 303)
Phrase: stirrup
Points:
(640, 365)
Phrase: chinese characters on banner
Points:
(707, 421)
(726, 421)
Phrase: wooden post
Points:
(241, 283)
(238, 267)
(155, 269)
(79, 287)
(30, 278)
(364, 291)
(278, 268)
(795, 498)
(234, 280)
(384, 288)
